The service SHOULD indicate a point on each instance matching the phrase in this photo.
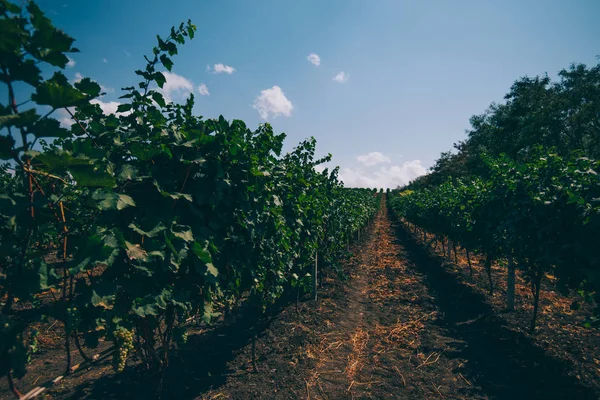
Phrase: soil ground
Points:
(402, 326)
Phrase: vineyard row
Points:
(124, 226)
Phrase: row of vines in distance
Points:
(541, 215)
(143, 219)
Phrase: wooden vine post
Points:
(510, 285)
(315, 272)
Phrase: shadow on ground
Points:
(505, 363)
(202, 364)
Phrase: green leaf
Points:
(57, 92)
(160, 79)
(60, 159)
(183, 232)
(175, 195)
(208, 313)
(128, 173)
(90, 176)
(146, 310)
(54, 58)
(12, 36)
(122, 108)
(87, 86)
(91, 250)
(6, 146)
(135, 252)
(104, 301)
(202, 252)
(151, 305)
(159, 99)
(112, 201)
(49, 127)
(43, 275)
(166, 61)
(210, 268)
(26, 71)
(152, 233)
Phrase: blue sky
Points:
(414, 71)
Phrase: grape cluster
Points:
(124, 342)
(180, 335)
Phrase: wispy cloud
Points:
(373, 158)
(222, 68)
(108, 107)
(384, 177)
(341, 77)
(271, 103)
(65, 118)
(78, 77)
(71, 63)
(107, 89)
(203, 90)
(105, 61)
(314, 59)
(128, 54)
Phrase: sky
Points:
(383, 85)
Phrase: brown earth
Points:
(402, 326)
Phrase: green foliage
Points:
(545, 214)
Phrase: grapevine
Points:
(541, 214)
(151, 216)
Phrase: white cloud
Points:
(66, 122)
(384, 177)
(373, 158)
(108, 107)
(175, 85)
(320, 168)
(314, 59)
(272, 103)
(341, 77)
(222, 68)
(128, 54)
(203, 90)
(64, 118)
(106, 89)
(71, 63)
(78, 77)
(105, 61)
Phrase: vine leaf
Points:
(57, 92)
(112, 201)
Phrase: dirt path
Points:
(411, 330)
(387, 345)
